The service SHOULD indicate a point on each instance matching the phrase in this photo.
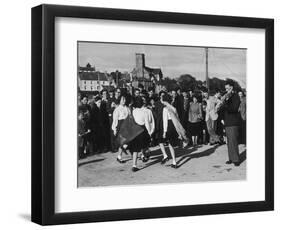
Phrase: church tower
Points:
(140, 64)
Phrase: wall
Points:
(15, 116)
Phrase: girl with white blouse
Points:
(170, 134)
(144, 119)
(120, 113)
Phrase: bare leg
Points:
(193, 140)
(135, 158)
(143, 155)
(172, 150)
(196, 140)
(120, 151)
(163, 150)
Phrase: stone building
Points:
(147, 76)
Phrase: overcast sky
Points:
(173, 60)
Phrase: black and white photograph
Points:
(154, 114)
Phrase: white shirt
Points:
(166, 117)
(211, 108)
(144, 116)
(121, 112)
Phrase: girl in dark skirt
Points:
(121, 112)
(158, 134)
(170, 134)
(195, 118)
(140, 142)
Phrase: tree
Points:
(219, 84)
(169, 83)
(187, 82)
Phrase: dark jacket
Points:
(99, 119)
(158, 111)
(231, 111)
(178, 103)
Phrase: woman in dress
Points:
(120, 113)
(195, 117)
(158, 133)
(172, 128)
(150, 127)
(143, 117)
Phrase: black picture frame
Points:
(43, 114)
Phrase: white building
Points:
(91, 80)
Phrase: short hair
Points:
(96, 93)
(104, 90)
(166, 98)
(229, 82)
(82, 96)
(143, 91)
(122, 95)
(178, 88)
(162, 92)
(243, 94)
(97, 98)
(150, 89)
(195, 96)
(140, 86)
(138, 102)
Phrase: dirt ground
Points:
(196, 164)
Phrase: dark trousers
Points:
(242, 133)
(232, 135)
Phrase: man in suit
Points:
(232, 123)
(100, 125)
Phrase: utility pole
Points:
(207, 75)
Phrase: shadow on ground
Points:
(89, 162)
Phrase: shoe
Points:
(120, 160)
(228, 162)
(164, 160)
(134, 169)
(237, 164)
(174, 166)
(184, 144)
(144, 159)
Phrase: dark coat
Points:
(99, 117)
(231, 111)
(178, 103)
(158, 111)
(100, 126)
